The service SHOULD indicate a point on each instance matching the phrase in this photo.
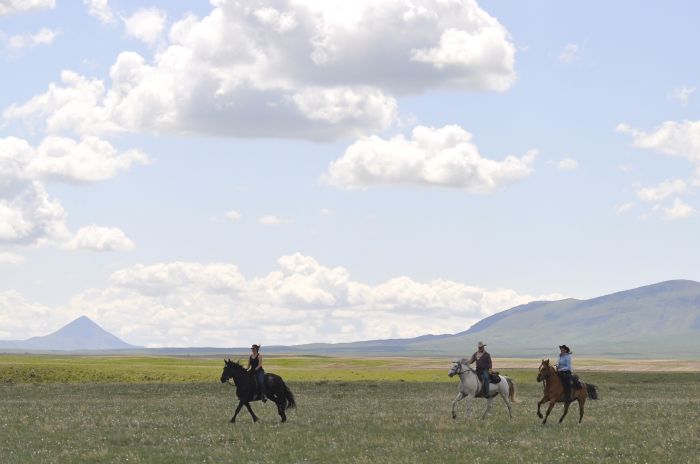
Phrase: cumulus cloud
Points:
(28, 215)
(20, 318)
(678, 139)
(682, 94)
(146, 24)
(569, 54)
(679, 210)
(19, 6)
(95, 238)
(196, 304)
(233, 215)
(45, 36)
(625, 207)
(293, 70)
(443, 157)
(663, 190)
(272, 220)
(567, 164)
(11, 258)
(101, 10)
(672, 138)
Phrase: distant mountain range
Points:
(654, 321)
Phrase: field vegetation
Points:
(175, 410)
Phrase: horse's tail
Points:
(592, 391)
(511, 390)
(289, 396)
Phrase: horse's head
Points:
(459, 366)
(544, 371)
(231, 368)
(455, 369)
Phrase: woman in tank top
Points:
(255, 365)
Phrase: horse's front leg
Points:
(250, 410)
(238, 409)
(549, 409)
(566, 411)
(542, 401)
(459, 397)
(489, 400)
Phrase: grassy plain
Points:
(390, 410)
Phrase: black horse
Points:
(275, 390)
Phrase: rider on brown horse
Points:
(564, 371)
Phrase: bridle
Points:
(544, 376)
(459, 369)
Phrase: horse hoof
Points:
(232, 421)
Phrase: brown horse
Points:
(554, 392)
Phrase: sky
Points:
(290, 171)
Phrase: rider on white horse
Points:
(483, 366)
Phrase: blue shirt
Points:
(564, 362)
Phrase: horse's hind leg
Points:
(510, 409)
(280, 409)
(238, 409)
(250, 410)
(581, 402)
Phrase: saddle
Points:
(494, 377)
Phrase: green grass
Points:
(641, 417)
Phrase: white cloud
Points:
(20, 318)
(95, 238)
(289, 71)
(45, 36)
(567, 164)
(146, 24)
(663, 190)
(28, 215)
(327, 212)
(569, 54)
(11, 258)
(679, 210)
(625, 207)
(101, 10)
(272, 220)
(439, 157)
(19, 6)
(195, 304)
(673, 138)
(233, 215)
(682, 94)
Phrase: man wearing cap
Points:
(483, 366)
(564, 370)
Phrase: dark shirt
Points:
(254, 361)
(483, 363)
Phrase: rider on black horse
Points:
(255, 367)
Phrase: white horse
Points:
(470, 386)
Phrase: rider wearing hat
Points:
(255, 365)
(483, 366)
(564, 370)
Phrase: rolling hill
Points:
(654, 321)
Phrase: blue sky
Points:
(295, 171)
